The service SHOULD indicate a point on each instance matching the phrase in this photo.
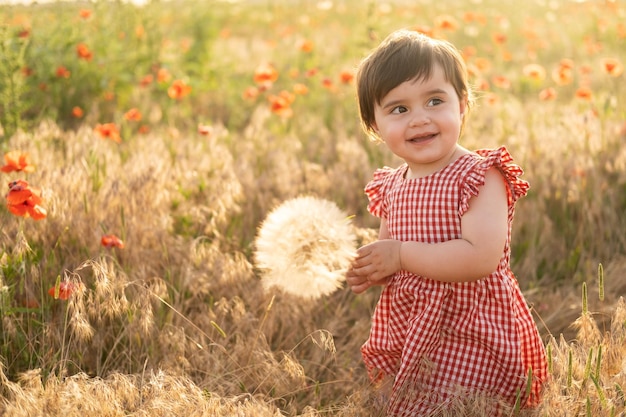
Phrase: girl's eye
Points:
(398, 109)
(434, 102)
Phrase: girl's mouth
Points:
(422, 138)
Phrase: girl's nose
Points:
(419, 118)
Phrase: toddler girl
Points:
(451, 321)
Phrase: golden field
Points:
(178, 127)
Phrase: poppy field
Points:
(183, 185)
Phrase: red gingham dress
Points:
(438, 338)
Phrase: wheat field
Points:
(147, 149)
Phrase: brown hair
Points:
(406, 55)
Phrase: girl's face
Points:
(420, 121)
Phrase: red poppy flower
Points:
(294, 73)
(112, 241)
(482, 64)
(534, 71)
(306, 45)
(84, 13)
(140, 32)
(491, 98)
(501, 81)
(250, 93)
(482, 84)
(300, 89)
(584, 93)
(163, 75)
(446, 22)
(265, 74)
(146, 80)
(64, 291)
(205, 130)
(63, 72)
(16, 161)
(498, 38)
(178, 90)
(468, 52)
(24, 201)
(328, 84)
(77, 112)
(83, 52)
(547, 94)
(346, 76)
(19, 192)
(563, 75)
(311, 72)
(28, 208)
(133, 115)
(281, 104)
(612, 66)
(108, 131)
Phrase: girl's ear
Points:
(374, 130)
(374, 133)
(463, 103)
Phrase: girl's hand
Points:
(359, 284)
(374, 263)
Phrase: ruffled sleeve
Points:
(376, 190)
(501, 159)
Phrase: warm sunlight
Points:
(188, 189)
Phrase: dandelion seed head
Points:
(304, 246)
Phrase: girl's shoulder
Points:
(382, 181)
(388, 173)
(385, 177)
(485, 159)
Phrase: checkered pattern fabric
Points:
(435, 338)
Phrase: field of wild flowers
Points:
(146, 151)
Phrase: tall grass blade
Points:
(601, 282)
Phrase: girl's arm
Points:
(484, 229)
